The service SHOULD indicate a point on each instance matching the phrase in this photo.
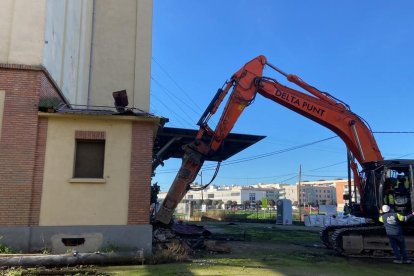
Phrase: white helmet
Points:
(385, 208)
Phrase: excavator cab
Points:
(387, 182)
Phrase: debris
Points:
(163, 234)
(216, 246)
(185, 239)
(190, 230)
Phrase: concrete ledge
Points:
(83, 239)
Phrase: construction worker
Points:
(388, 194)
(402, 183)
(389, 199)
(347, 209)
(392, 223)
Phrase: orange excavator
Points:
(373, 176)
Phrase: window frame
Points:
(89, 137)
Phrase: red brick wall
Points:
(38, 171)
(90, 135)
(140, 175)
(20, 154)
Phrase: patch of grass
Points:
(279, 235)
(111, 248)
(276, 263)
(4, 249)
(270, 233)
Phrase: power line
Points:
(327, 166)
(288, 174)
(174, 98)
(263, 155)
(408, 154)
(293, 177)
(254, 157)
(261, 177)
(394, 132)
(176, 84)
(179, 117)
(313, 175)
(246, 159)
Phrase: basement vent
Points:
(73, 241)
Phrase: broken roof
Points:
(169, 142)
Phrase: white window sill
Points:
(87, 180)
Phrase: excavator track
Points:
(367, 241)
(349, 241)
(326, 233)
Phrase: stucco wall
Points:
(68, 203)
(22, 31)
(121, 55)
(143, 53)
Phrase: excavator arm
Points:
(245, 84)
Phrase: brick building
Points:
(71, 165)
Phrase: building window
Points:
(234, 194)
(252, 196)
(89, 154)
(210, 195)
(189, 196)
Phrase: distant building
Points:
(312, 192)
(341, 188)
(291, 192)
(239, 194)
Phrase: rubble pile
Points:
(185, 240)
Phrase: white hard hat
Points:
(385, 208)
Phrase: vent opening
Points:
(73, 241)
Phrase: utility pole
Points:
(299, 203)
(201, 180)
(349, 178)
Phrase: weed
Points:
(168, 253)
(4, 249)
(111, 248)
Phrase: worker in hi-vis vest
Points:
(392, 223)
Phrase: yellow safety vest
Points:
(389, 199)
(399, 217)
(406, 183)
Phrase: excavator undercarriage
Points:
(366, 240)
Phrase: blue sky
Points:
(359, 51)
